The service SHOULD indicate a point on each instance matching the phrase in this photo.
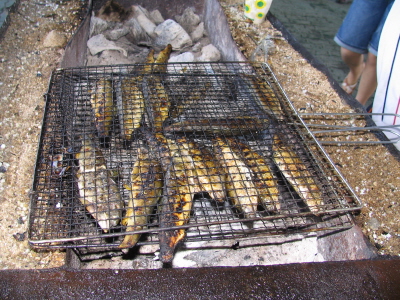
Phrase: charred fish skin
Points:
(158, 103)
(132, 107)
(162, 60)
(102, 103)
(265, 180)
(97, 190)
(240, 187)
(179, 188)
(209, 173)
(297, 174)
(145, 191)
(226, 127)
(265, 96)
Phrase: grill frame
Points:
(331, 219)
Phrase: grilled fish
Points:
(130, 107)
(240, 187)
(102, 104)
(179, 187)
(209, 173)
(265, 180)
(158, 103)
(294, 170)
(145, 191)
(227, 126)
(148, 67)
(97, 190)
(162, 60)
(265, 97)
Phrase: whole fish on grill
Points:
(265, 97)
(224, 126)
(98, 192)
(148, 67)
(101, 100)
(265, 180)
(179, 187)
(297, 174)
(162, 60)
(144, 193)
(240, 187)
(209, 173)
(130, 106)
(157, 102)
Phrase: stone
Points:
(137, 34)
(156, 17)
(209, 53)
(54, 39)
(185, 57)
(198, 33)
(143, 18)
(98, 25)
(182, 58)
(108, 57)
(188, 20)
(124, 43)
(170, 32)
(116, 34)
(99, 43)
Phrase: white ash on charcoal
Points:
(125, 36)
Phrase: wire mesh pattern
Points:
(198, 151)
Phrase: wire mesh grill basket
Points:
(203, 150)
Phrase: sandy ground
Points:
(26, 66)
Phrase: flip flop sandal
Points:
(349, 89)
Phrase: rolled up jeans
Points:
(361, 28)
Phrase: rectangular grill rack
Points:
(215, 95)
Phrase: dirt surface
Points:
(26, 66)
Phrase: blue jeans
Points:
(362, 26)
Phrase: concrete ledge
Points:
(376, 279)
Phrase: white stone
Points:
(186, 57)
(98, 25)
(116, 34)
(143, 18)
(156, 17)
(198, 33)
(136, 34)
(182, 58)
(170, 32)
(99, 43)
(189, 20)
(108, 57)
(54, 39)
(209, 53)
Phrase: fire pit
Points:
(209, 102)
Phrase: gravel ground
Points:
(26, 66)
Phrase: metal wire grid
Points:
(210, 92)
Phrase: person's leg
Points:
(355, 62)
(368, 80)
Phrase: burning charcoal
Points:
(209, 53)
(170, 32)
(99, 43)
